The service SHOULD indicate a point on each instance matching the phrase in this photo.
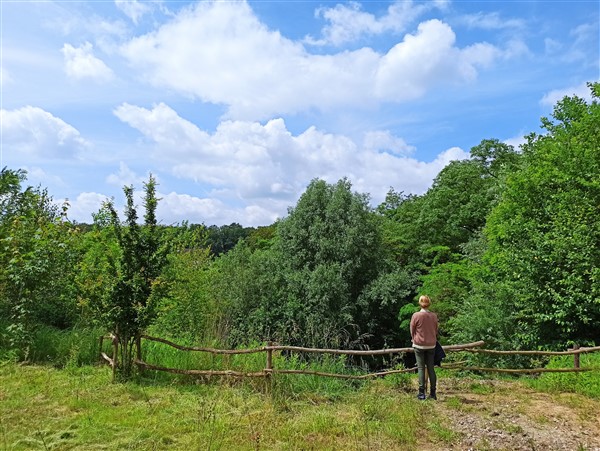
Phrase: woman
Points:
(424, 330)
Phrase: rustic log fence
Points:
(269, 370)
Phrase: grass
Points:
(586, 383)
(43, 407)
(69, 404)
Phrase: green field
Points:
(79, 408)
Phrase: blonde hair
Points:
(424, 301)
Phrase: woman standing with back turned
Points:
(424, 330)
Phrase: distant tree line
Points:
(506, 243)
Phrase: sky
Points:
(235, 106)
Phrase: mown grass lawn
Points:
(42, 407)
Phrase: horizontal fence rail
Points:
(268, 371)
(301, 349)
(370, 353)
(570, 352)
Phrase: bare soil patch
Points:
(504, 415)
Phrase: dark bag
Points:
(438, 354)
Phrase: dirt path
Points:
(500, 415)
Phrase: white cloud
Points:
(490, 21)
(38, 134)
(162, 125)
(183, 207)
(37, 176)
(555, 95)
(125, 177)
(81, 63)
(86, 204)
(385, 141)
(133, 9)
(219, 52)
(516, 141)
(427, 58)
(347, 22)
(266, 167)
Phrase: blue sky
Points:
(236, 106)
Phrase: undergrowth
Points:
(584, 383)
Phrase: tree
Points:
(38, 254)
(544, 234)
(135, 284)
(187, 310)
(248, 290)
(224, 238)
(330, 246)
(455, 208)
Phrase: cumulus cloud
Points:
(266, 167)
(183, 207)
(175, 208)
(516, 141)
(84, 205)
(384, 141)
(81, 63)
(38, 176)
(163, 126)
(411, 67)
(39, 134)
(221, 53)
(581, 90)
(125, 177)
(347, 22)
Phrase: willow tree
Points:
(330, 247)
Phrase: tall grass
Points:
(78, 408)
(586, 383)
(293, 385)
(75, 346)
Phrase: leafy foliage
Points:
(37, 260)
(506, 243)
(134, 285)
(544, 235)
(330, 246)
(186, 310)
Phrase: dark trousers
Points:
(425, 360)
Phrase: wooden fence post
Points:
(269, 368)
(138, 352)
(576, 357)
(100, 351)
(115, 343)
(269, 357)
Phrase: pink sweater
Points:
(424, 329)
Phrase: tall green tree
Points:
(37, 257)
(136, 286)
(330, 244)
(544, 234)
(455, 208)
(187, 310)
(249, 289)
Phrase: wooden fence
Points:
(269, 370)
